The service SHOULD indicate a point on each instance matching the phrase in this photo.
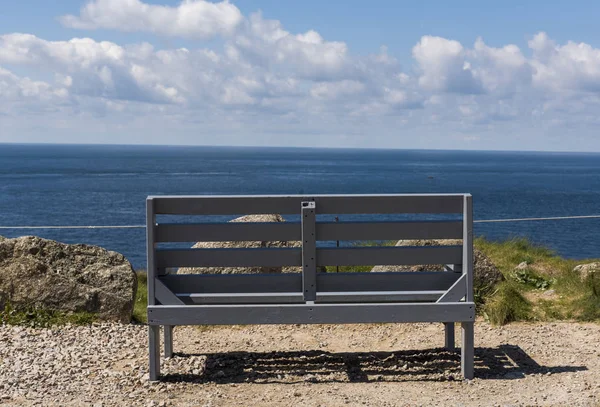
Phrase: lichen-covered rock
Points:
(586, 270)
(485, 273)
(36, 272)
(244, 245)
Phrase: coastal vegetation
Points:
(538, 286)
(36, 317)
(141, 297)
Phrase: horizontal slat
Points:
(326, 204)
(224, 232)
(292, 282)
(275, 257)
(246, 298)
(234, 283)
(228, 257)
(378, 296)
(384, 256)
(386, 281)
(389, 230)
(291, 231)
(310, 314)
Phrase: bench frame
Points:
(310, 297)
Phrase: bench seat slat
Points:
(322, 297)
(246, 298)
(378, 296)
(310, 313)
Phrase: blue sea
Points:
(44, 185)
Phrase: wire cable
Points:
(144, 226)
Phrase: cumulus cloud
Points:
(444, 66)
(335, 90)
(24, 96)
(262, 73)
(502, 70)
(265, 42)
(101, 69)
(573, 66)
(190, 19)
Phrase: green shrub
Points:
(530, 278)
(506, 305)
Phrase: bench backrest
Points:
(309, 285)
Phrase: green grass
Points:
(522, 297)
(507, 304)
(141, 298)
(508, 254)
(43, 318)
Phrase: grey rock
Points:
(36, 272)
(587, 270)
(485, 274)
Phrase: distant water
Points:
(107, 185)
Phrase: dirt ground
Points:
(320, 365)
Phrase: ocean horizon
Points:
(94, 184)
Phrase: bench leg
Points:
(467, 351)
(168, 341)
(449, 334)
(154, 351)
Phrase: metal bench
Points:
(309, 296)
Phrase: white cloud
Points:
(190, 19)
(444, 66)
(263, 79)
(573, 66)
(265, 43)
(335, 90)
(501, 70)
(21, 96)
(100, 69)
(403, 99)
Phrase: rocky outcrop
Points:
(587, 270)
(245, 245)
(36, 272)
(485, 273)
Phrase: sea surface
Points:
(43, 185)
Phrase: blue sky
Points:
(433, 74)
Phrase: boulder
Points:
(587, 270)
(485, 273)
(245, 245)
(36, 272)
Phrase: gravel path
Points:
(374, 365)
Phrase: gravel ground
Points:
(319, 365)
